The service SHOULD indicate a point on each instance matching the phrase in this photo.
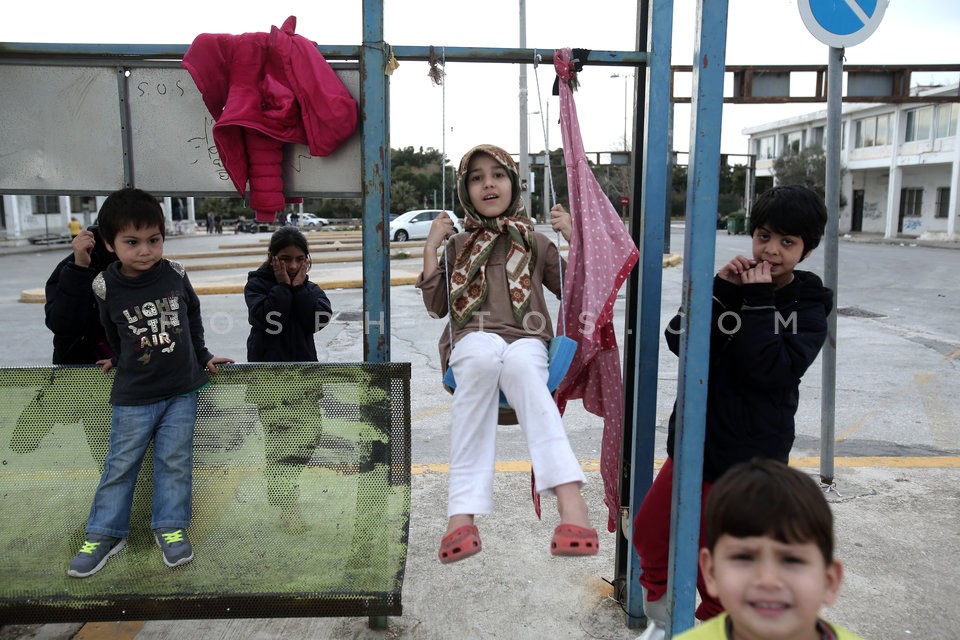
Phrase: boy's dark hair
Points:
(765, 497)
(287, 237)
(127, 207)
(792, 210)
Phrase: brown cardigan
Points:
(495, 314)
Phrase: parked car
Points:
(415, 225)
(310, 221)
(246, 226)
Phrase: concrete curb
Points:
(672, 260)
(34, 296)
(37, 296)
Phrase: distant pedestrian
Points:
(75, 227)
(769, 321)
(177, 214)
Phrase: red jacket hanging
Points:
(263, 90)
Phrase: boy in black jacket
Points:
(70, 310)
(151, 316)
(769, 323)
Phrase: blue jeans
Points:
(169, 423)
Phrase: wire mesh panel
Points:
(301, 497)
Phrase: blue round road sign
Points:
(842, 23)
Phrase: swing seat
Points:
(560, 356)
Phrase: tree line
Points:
(417, 181)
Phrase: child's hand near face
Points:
(301, 275)
(279, 270)
(744, 270)
(83, 248)
(760, 273)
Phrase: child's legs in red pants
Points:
(651, 539)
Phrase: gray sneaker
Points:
(174, 545)
(94, 553)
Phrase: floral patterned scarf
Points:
(468, 280)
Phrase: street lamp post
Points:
(546, 166)
(626, 104)
(524, 159)
(545, 188)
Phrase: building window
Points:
(883, 130)
(872, 132)
(816, 137)
(943, 202)
(765, 148)
(792, 142)
(83, 204)
(45, 205)
(911, 203)
(918, 124)
(866, 133)
(946, 123)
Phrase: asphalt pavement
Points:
(896, 499)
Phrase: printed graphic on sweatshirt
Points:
(154, 325)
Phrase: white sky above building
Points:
(482, 99)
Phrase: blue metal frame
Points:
(375, 160)
(656, 178)
(699, 252)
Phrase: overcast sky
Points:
(482, 103)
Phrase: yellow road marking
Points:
(883, 462)
(886, 462)
(126, 630)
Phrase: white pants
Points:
(483, 365)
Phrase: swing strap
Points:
(561, 349)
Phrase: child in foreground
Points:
(497, 270)
(769, 557)
(151, 316)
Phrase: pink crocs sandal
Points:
(573, 540)
(460, 543)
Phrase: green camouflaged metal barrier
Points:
(301, 497)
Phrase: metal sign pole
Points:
(838, 25)
(831, 243)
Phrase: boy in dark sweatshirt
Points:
(151, 316)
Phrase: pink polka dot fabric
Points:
(600, 258)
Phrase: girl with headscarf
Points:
(491, 280)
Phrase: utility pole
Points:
(545, 189)
(524, 153)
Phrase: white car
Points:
(415, 225)
(311, 221)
